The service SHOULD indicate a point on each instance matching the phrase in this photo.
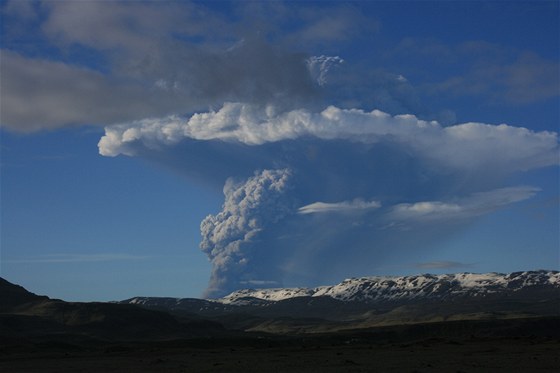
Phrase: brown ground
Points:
(533, 354)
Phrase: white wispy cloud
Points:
(463, 208)
(77, 258)
(345, 206)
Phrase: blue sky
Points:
(127, 125)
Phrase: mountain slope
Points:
(14, 295)
(420, 287)
(375, 301)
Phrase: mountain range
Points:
(355, 303)
(377, 301)
(391, 288)
(440, 323)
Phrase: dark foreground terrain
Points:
(524, 345)
(39, 334)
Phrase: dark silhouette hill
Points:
(14, 295)
(24, 314)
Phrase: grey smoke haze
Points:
(156, 60)
(154, 64)
(206, 78)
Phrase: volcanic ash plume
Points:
(335, 192)
(229, 237)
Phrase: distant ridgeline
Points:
(358, 303)
(528, 293)
(391, 288)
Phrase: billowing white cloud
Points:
(356, 205)
(467, 146)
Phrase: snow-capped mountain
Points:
(391, 288)
(377, 289)
(378, 300)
